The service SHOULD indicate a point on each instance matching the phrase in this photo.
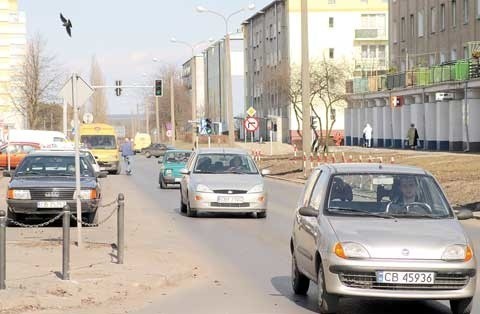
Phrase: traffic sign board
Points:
(251, 111)
(251, 124)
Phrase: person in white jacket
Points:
(367, 135)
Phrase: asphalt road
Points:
(251, 259)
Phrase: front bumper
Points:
(30, 207)
(356, 278)
(172, 179)
(209, 202)
(109, 165)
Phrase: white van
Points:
(46, 139)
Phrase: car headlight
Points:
(169, 172)
(256, 189)
(457, 252)
(86, 194)
(203, 188)
(351, 250)
(19, 194)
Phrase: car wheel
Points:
(261, 214)
(328, 303)
(148, 154)
(92, 218)
(300, 282)
(191, 212)
(183, 207)
(162, 183)
(461, 306)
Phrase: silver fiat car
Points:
(223, 180)
(380, 231)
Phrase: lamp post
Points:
(193, 73)
(227, 69)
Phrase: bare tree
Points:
(37, 82)
(98, 101)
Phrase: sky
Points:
(126, 35)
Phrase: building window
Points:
(442, 17)
(395, 32)
(453, 55)
(454, 13)
(330, 22)
(402, 29)
(381, 52)
(433, 19)
(412, 26)
(442, 57)
(364, 51)
(331, 53)
(465, 52)
(420, 24)
(465, 11)
(372, 52)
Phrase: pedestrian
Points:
(412, 137)
(367, 135)
(127, 153)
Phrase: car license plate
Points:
(178, 179)
(411, 278)
(51, 204)
(230, 199)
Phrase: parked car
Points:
(44, 183)
(156, 150)
(17, 151)
(222, 180)
(380, 231)
(172, 162)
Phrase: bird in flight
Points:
(67, 24)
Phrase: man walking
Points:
(127, 153)
(412, 137)
(367, 135)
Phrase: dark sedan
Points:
(44, 183)
(156, 150)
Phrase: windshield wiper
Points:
(361, 211)
(410, 215)
(30, 173)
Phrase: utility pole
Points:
(306, 134)
(193, 72)
(157, 120)
(172, 108)
(228, 89)
(65, 127)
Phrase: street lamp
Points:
(193, 73)
(227, 71)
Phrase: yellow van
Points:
(102, 141)
(142, 140)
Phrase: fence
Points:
(67, 216)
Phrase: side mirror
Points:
(184, 171)
(7, 174)
(265, 172)
(102, 174)
(308, 212)
(464, 214)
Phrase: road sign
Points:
(87, 118)
(169, 133)
(251, 111)
(84, 91)
(251, 124)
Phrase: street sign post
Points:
(251, 124)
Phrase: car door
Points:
(303, 256)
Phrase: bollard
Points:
(120, 228)
(66, 243)
(3, 251)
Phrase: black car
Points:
(156, 150)
(44, 183)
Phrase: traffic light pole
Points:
(157, 120)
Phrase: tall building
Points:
(350, 31)
(12, 52)
(199, 82)
(215, 92)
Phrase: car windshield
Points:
(53, 166)
(177, 157)
(397, 195)
(225, 163)
(99, 141)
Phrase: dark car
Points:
(44, 183)
(156, 150)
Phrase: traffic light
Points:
(158, 88)
(118, 90)
(208, 126)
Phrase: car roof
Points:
(59, 153)
(179, 151)
(346, 168)
(222, 151)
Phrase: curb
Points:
(284, 179)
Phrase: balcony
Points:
(370, 34)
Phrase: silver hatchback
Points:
(380, 231)
(222, 180)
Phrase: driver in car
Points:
(408, 189)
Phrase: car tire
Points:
(461, 306)
(191, 212)
(92, 218)
(148, 154)
(261, 215)
(300, 282)
(327, 303)
(163, 185)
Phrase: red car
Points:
(17, 151)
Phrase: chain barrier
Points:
(108, 204)
(101, 222)
(43, 224)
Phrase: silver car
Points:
(222, 180)
(380, 231)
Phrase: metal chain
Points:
(101, 222)
(43, 224)
(108, 204)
